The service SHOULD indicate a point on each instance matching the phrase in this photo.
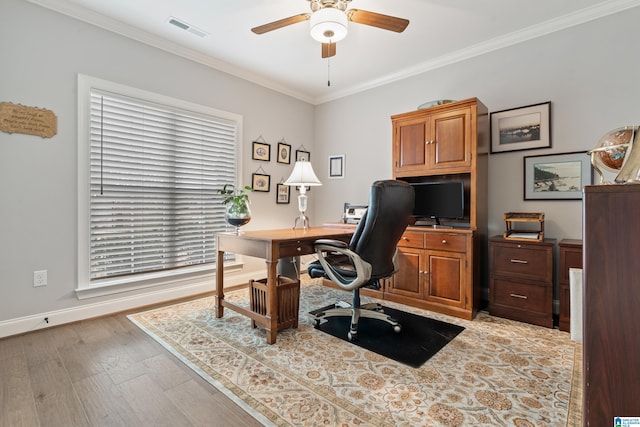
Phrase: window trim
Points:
(85, 287)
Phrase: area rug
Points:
(419, 339)
(496, 372)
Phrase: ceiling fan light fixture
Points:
(328, 25)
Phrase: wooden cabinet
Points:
(439, 267)
(611, 303)
(434, 272)
(521, 280)
(570, 257)
(432, 140)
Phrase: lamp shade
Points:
(328, 25)
(303, 175)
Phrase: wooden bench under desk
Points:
(271, 245)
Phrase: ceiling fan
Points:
(329, 19)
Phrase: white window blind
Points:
(154, 175)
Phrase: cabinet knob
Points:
(444, 241)
(406, 239)
(299, 249)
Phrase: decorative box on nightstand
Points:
(521, 280)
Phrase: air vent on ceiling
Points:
(188, 27)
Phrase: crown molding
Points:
(553, 25)
(126, 30)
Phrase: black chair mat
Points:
(419, 339)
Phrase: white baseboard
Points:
(86, 311)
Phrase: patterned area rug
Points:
(496, 372)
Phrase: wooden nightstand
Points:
(521, 280)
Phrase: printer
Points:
(353, 213)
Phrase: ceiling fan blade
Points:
(328, 50)
(379, 20)
(281, 23)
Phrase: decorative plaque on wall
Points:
(16, 118)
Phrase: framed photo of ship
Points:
(557, 176)
(523, 128)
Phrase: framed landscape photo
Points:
(303, 156)
(261, 151)
(261, 182)
(523, 128)
(284, 153)
(557, 176)
(283, 194)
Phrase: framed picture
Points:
(261, 151)
(557, 176)
(523, 128)
(261, 182)
(336, 166)
(303, 156)
(283, 194)
(284, 153)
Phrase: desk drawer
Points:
(412, 239)
(446, 242)
(522, 261)
(296, 248)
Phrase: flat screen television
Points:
(439, 199)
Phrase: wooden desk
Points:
(270, 245)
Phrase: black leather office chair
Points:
(370, 255)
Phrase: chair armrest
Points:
(332, 243)
(363, 268)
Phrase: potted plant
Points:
(237, 202)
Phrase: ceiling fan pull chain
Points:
(328, 71)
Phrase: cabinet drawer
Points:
(446, 242)
(522, 296)
(524, 261)
(301, 247)
(412, 239)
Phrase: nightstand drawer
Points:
(412, 239)
(524, 261)
(522, 296)
(446, 242)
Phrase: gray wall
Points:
(588, 73)
(42, 53)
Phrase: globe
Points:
(610, 151)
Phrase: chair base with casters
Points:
(370, 256)
(355, 312)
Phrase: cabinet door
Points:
(446, 278)
(449, 144)
(408, 281)
(409, 146)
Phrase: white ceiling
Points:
(289, 60)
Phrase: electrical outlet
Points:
(39, 278)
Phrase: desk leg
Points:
(219, 296)
(272, 301)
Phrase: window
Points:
(153, 167)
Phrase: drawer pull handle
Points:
(444, 242)
(520, 261)
(405, 239)
(519, 296)
(299, 249)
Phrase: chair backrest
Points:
(380, 229)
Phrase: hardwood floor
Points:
(104, 372)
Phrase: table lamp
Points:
(302, 176)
